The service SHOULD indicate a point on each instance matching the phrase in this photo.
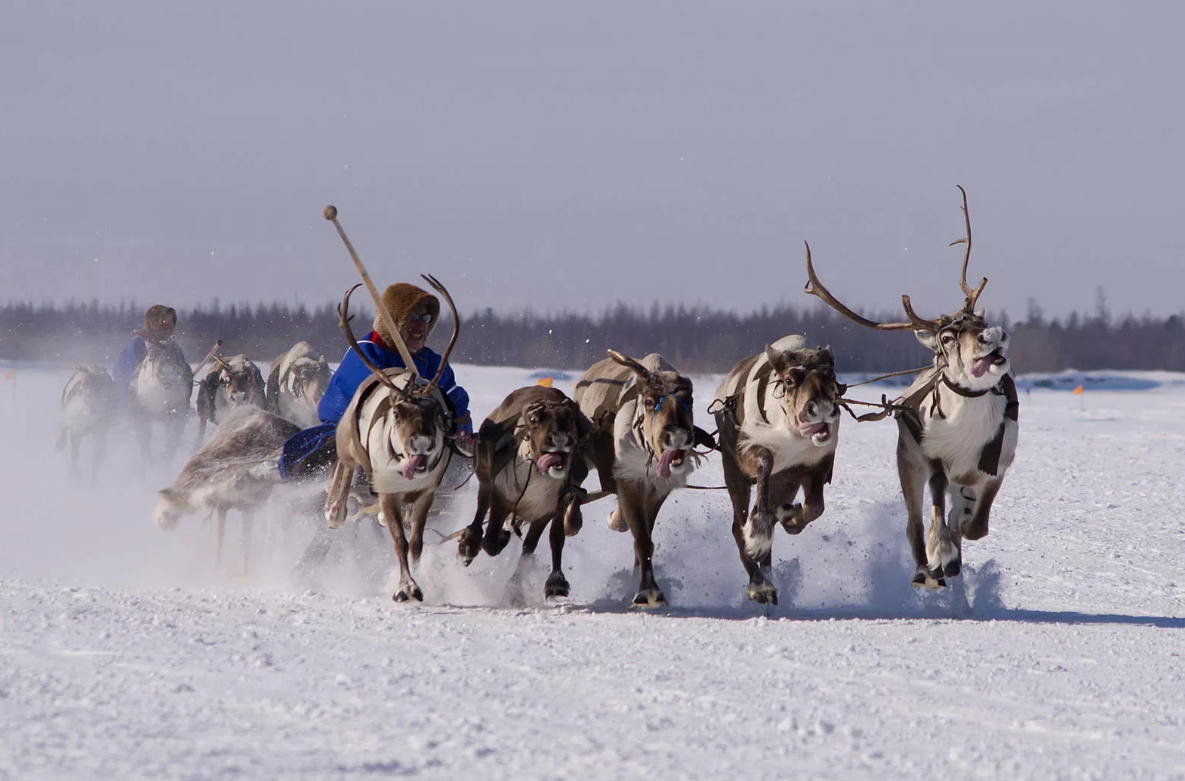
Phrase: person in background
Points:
(160, 322)
(415, 313)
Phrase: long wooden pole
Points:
(331, 215)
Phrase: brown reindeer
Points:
(529, 468)
(397, 435)
(957, 424)
(235, 470)
(778, 416)
(643, 435)
(229, 384)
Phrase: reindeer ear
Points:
(928, 338)
(779, 360)
(584, 426)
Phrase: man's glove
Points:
(465, 443)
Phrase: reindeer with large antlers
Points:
(396, 428)
(957, 424)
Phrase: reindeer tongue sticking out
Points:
(549, 460)
(810, 429)
(664, 462)
(981, 365)
(414, 465)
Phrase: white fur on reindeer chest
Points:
(634, 461)
(957, 431)
(534, 494)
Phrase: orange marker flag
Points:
(1078, 389)
(544, 381)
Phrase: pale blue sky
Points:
(555, 154)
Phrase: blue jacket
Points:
(352, 371)
(125, 366)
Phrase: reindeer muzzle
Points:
(668, 459)
(549, 461)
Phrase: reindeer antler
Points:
(631, 363)
(972, 295)
(815, 288)
(440, 288)
(344, 320)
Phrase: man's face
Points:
(415, 333)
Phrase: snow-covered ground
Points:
(124, 654)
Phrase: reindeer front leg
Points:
(557, 584)
(470, 543)
(760, 589)
(758, 532)
(248, 527)
(392, 509)
(338, 493)
(632, 504)
(942, 555)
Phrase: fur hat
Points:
(159, 322)
(400, 299)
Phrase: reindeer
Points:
(643, 435)
(778, 417)
(87, 403)
(235, 470)
(161, 387)
(529, 469)
(397, 435)
(229, 384)
(296, 383)
(957, 424)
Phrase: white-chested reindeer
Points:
(778, 416)
(229, 384)
(88, 401)
(161, 389)
(642, 443)
(398, 436)
(957, 424)
(296, 383)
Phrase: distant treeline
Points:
(694, 338)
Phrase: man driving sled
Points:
(415, 312)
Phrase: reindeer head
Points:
(664, 424)
(171, 507)
(417, 425)
(808, 390)
(240, 378)
(967, 350)
(309, 379)
(551, 429)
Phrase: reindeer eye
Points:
(947, 338)
(795, 376)
(533, 420)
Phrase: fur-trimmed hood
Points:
(400, 299)
(159, 322)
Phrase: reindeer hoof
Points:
(649, 599)
(468, 546)
(975, 531)
(616, 522)
(556, 586)
(493, 545)
(952, 568)
(762, 593)
(408, 593)
(931, 579)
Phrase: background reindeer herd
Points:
(777, 416)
